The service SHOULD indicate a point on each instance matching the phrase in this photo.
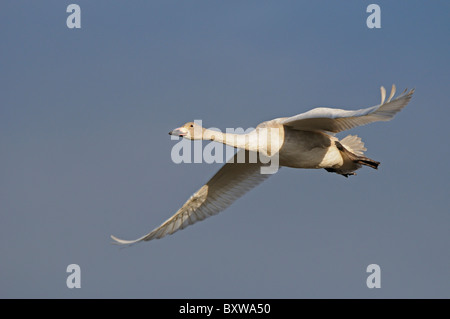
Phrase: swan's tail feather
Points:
(354, 144)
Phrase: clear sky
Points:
(84, 117)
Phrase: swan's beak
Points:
(179, 132)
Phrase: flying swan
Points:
(302, 141)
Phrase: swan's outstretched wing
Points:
(337, 120)
(232, 181)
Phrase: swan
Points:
(305, 140)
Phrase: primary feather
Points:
(337, 120)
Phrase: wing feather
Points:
(337, 120)
(232, 181)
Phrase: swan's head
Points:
(190, 131)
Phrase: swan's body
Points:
(302, 141)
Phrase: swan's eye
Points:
(192, 125)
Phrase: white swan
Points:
(301, 141)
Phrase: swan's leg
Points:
(357, 158)
(368, 162)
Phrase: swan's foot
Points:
(346, 174)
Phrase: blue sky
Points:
(84, 117)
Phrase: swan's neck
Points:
(235, 140)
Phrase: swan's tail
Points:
(354, 144)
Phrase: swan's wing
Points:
(232, 181)
(337, 120)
